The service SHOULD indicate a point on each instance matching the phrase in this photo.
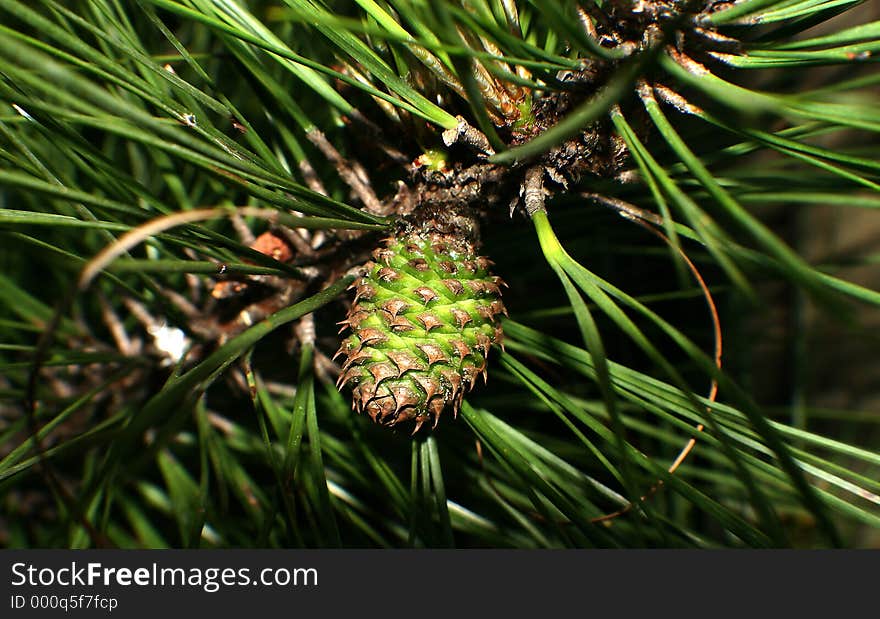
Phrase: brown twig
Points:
(352, 174)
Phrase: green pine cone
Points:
(423, 319)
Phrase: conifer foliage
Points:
(195, 195)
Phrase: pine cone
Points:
(423, 319)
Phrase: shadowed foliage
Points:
(677, 194)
